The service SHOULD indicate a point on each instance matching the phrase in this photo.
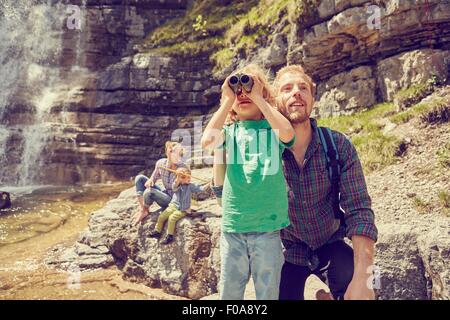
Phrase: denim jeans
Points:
(258, 254)
(151, 194)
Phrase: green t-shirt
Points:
(254, 195)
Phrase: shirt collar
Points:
(313, 145)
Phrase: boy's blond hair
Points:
(259, 72)
(293, 68)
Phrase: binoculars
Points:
(240, 81)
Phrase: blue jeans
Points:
(151, 194)
(258, 254)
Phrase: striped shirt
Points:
(182, 195)
(310, 204)
(167, 177)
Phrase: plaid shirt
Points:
(310, 205)
(166, 176)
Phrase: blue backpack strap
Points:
(334, 170)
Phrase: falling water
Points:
(30, 46)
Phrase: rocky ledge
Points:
(412, 263)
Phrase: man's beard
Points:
(296, 117)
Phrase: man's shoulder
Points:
(342, 141)
(161, 161)
(340, 138)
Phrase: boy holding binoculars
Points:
(254, 201)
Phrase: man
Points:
(314, 240)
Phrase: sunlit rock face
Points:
(77, 105)
(81, 100)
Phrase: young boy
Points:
(179, 206)
(254, 201)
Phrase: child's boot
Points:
(154, 234)
(168, 239)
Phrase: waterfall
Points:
(31, 40)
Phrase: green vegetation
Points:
(437, 105)
(421, 205)
(444, 199)
(375, 149)
(413, 91)
(194, 48)
(225, 29)
(443, 155)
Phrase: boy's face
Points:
(185, 179)
(245, 108)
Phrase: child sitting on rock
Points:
(179, 206)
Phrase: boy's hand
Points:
(227, 93)
(257, 92)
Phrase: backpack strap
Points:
(334, 170)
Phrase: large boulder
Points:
(413, 262)
(412, 68)
(400, 265)
(346, 92)
(434, 248)
(187, 267)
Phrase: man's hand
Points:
(358, 289)
(149, 183)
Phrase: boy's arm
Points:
(212, 136)
(219, 167)
(219, 171)
(281, 126)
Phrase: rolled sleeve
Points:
(289, 144)
(354, 197)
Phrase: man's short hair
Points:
(293, 68)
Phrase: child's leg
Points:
(235, 268)
(163, 217)
(173, 219)
(266, 262)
